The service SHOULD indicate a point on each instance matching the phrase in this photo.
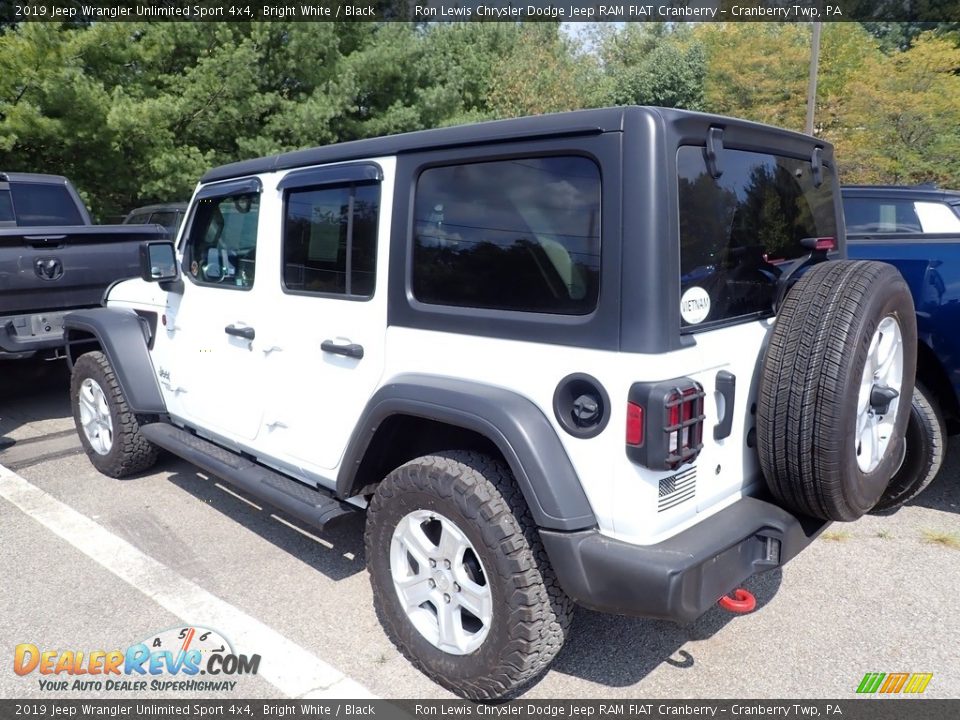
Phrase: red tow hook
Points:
(742, 601)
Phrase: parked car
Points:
(52, 260)
(917, 229)
(494, 340)
(169, 216)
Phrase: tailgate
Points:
(58, 268)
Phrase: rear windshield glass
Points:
(6, 208)
(37, 204)
(739, 231)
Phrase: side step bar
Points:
(316, 507)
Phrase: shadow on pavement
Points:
(620, 651)
(337, 551)
(944, 492)
(31, 390)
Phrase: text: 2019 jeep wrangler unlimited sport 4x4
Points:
(593, 357)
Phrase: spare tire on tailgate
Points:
(835, 388)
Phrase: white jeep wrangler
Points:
(606, 357)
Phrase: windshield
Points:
(738, 231)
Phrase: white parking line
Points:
(294, 671)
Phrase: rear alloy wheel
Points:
(441, 582)
(835, 383)
(461, 582)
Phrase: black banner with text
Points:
(640, 709)
(83, 11)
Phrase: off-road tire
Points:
(130, 452)
(531, 613)
(926, 445)
(809, 383)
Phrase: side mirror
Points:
(158, 262)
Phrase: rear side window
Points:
(738, 231)
(330, 240)
(875, 215)
(138, 219)
(6, 208)
(883, 215)
(521, 234)
(38, 204)
(169, 219)
(222, 248)
(937, 217)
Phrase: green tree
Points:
(652, 64)
(900, 122)
(757, 71)
(540, 74)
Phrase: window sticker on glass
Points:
(695, 305)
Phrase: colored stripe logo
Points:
(894, 683)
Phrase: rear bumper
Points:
(23, 334)
(682, 577)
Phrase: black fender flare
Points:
(122, 337)
(517, 427)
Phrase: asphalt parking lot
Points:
(91, 563)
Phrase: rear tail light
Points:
(634, 424)
(666, 421)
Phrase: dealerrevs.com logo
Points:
(170, 660)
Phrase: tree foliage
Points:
(136, 112)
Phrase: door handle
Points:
(350, 349)
(248, 333)
(727, 387)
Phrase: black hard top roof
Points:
(33, 178)
(577, 122)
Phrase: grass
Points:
(947, 539)
(884, 534)
(837, 535)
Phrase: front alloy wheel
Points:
(95, 416)
(109, 431)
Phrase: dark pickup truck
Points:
(917, 229)
(53, 260)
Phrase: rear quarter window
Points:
(520, 234)
(739, 232)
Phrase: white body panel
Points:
(315, 397)
(622, 495)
